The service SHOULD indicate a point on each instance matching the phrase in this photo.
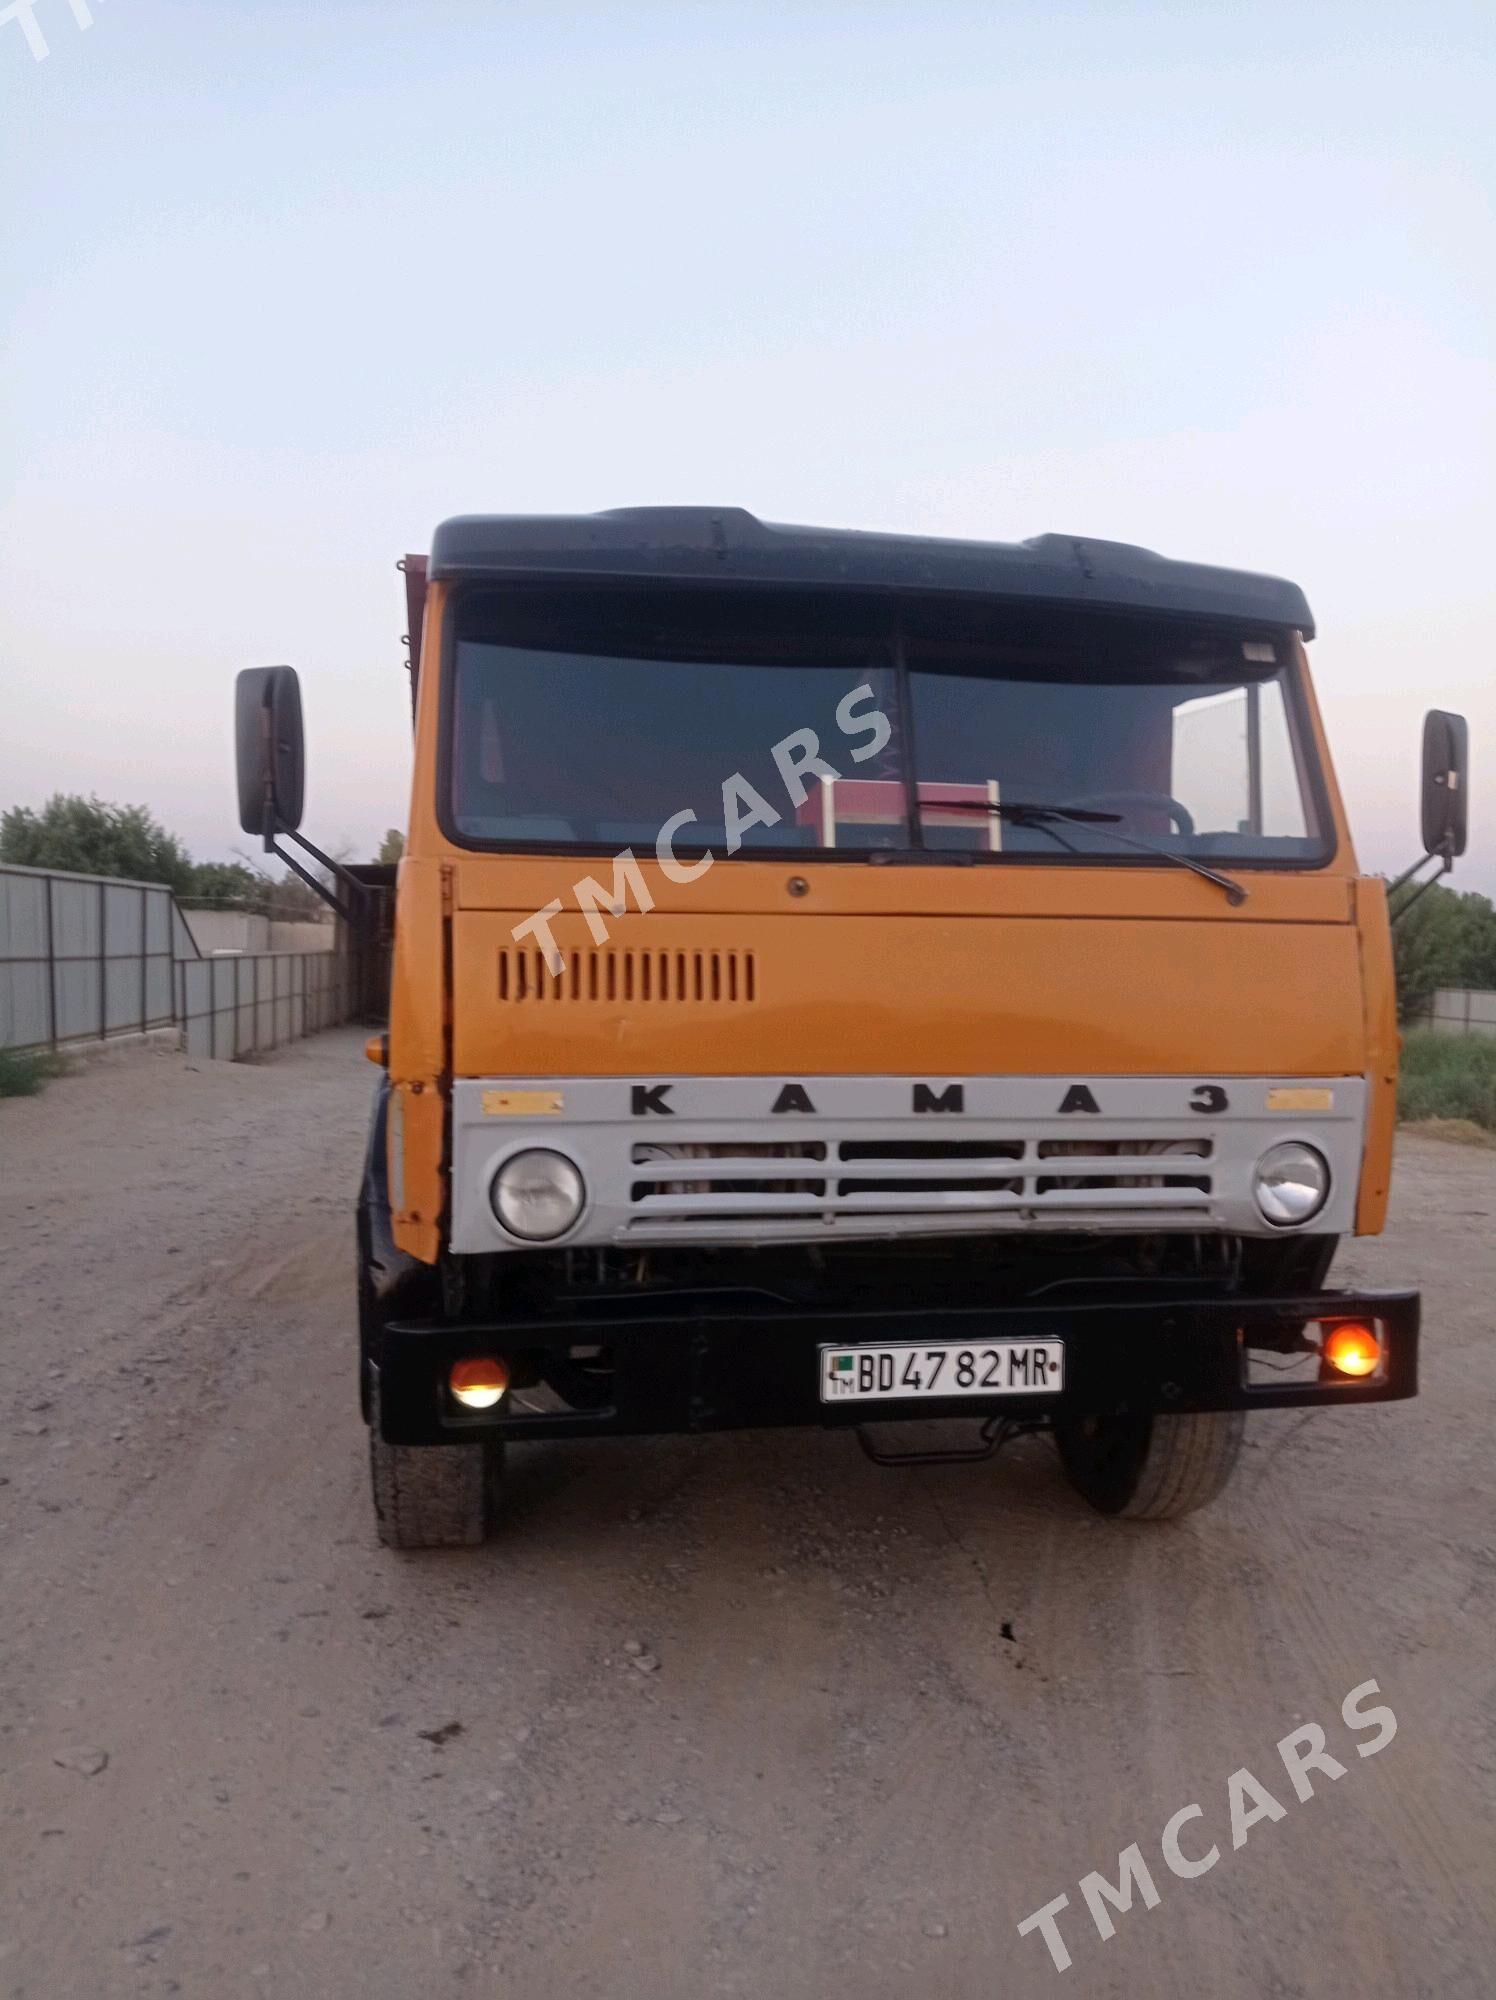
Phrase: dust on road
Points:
(733, 1715)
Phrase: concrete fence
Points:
(89, 958)
(242, 930)
(1461, 1010)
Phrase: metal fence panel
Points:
(284, 1022)
(25, 958)
(83, 957)
(78, 987)
(183, 944)
(158, 989)
(225, 997)
(123, 916)
(1463, 1010)
(77, 941)
(77, 901)
(233, 1007)
(194, 1009)
(23, 1006)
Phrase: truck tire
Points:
(432, 1496)
(1150, 1468)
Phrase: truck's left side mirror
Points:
(270, 749)
(1446, 770)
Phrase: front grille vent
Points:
(1086, 1171)
(870, 1182)
(646, 978)
(1108, 1149)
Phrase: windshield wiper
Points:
(1018, 812)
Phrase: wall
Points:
(304, 937)
(228, 930)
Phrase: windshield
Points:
(765, 725)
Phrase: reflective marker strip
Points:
(522, 1103)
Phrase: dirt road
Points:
(893, 1712)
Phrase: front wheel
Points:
(432, 1496)
(1150, 1468)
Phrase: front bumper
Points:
(701, 1365)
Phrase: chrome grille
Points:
(844, 1181)
(749, 1159)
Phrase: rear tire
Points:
(1150, 1468)
(432, 1496)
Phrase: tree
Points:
(228, 882)
(285, 899)
(292, 901)
(91, 837)
(391, 848)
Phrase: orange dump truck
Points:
(846, 978)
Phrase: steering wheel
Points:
(1160, 801)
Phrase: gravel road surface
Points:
(736, 1715)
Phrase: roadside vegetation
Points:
(92, 836)
(1446, 939)
(23, 1072)
(1450, 1079)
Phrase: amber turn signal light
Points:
(478, 1385)
(1353, 1350)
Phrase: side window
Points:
(1209, 764)
(1284, 813)
(1233, 763)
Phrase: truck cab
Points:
(841, 979)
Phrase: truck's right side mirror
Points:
(270, 749)
(1446, 770)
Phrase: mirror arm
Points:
(352, 912)
(1443, 856)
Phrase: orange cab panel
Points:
(765, 994)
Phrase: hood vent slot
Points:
(609, 978)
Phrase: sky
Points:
(286, 282)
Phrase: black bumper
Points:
(688, 1368)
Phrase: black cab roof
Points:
(730, 545)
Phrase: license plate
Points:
(1000, 1368)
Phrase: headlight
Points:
(538, 1195)
(1291, 1183)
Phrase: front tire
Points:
(432, 1496)
(1150, 1468)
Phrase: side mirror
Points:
(270, 749)
(1446, 773)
